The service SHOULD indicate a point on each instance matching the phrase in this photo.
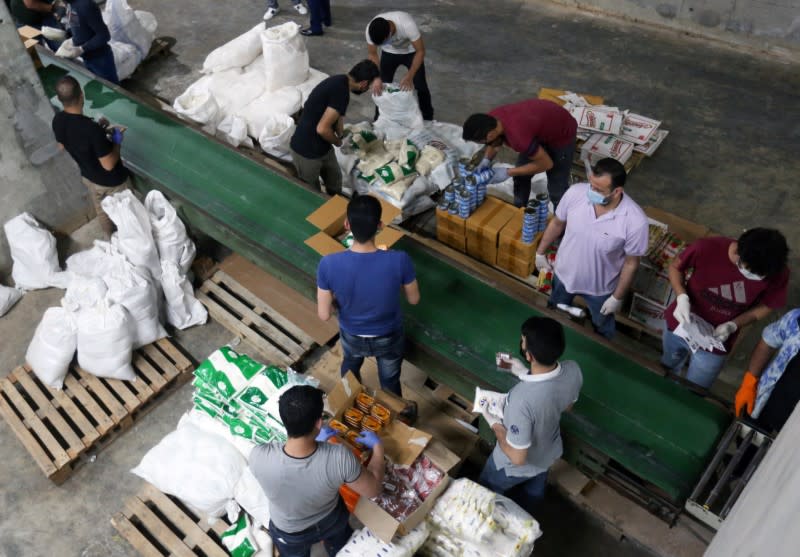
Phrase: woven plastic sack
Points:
(84, 293)
(197, 103)
(251, 497)
(285, 56)
(169, 232)
(53, 346)
(238, 538)
(399, 112)
(233, 131)
(105, 341)
(236, 53)
(261, 110)
(135, 290)
(126, 58)
(126, 27)
(8, 297)
(134, 236)
(276, 134)
(33, 250)
(234, 89)
(314, 79)
(184, 310)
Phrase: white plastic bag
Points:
(105, 340)
(126, 58)
(276, 135)
(33, 249)
(134, 236)
(183, 309)
(125, 27)
(314, 79)
(233, 130)
(99, 260)
(134, 290)
(8, 297)
(399, 112)
(236, 53)
(84, 292)
(198, 104)
(200, 468)
(284, 101)
(234, 89)
(53, 346)
(251, 497)
(285, 56)
(169, 232)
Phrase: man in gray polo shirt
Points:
(529, 436)
(302, 477)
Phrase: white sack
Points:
(135, 291)
(99, 260)
(237, 53)
(199, 468)
(284, 101)
(285, 56)
(125, 27)
(147, 20)
(183, 309)
(53, 33)
(8, 297)
(134, 236)
(84, 292)
(105, 339)
(197, 103)
(314, 79)
(33, 250)
(251, 497)
(276, 135)
(399, 112)
(234, 89)
(233, 131)
(208, 424)
(126, 58)
(52, 347)
(169, 232)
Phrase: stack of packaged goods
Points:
(405, 488)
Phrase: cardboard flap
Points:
(330, 216)
(28, 32)
(387, 237)
(324, 244)
(344, 394)
(403, 444)
(380, 523)
(444, 459)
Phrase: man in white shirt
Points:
(400, 41)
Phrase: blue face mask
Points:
(596, 198)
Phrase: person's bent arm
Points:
(93, 19)
(760, 357)
(327, 125)
(540, 162)
(370, 482)
(516, 456)
(752, 315)
(372, 53)
(555, 228)
(676, 277)
(411, 290)
(110, 160)
(407, 83)
(324, 304)
(626, 276)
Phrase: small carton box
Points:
(385, 526)
(510, 240)
(553, 94)
(451, 230)
(330, 217)
(26, 32)
(483, 228)
(521, 267)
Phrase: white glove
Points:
(683, 309)
(542, 264)
(722, 332)
(491, 419)
(611, 305)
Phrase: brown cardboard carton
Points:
(553, 94)
(510, 240)
(451, 230)
(521, 267)
(330, 217)
(27, 32)
(686, 230)
(483, 228)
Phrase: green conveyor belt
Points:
(647, 424)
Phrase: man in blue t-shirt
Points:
(365, 283)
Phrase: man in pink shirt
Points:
(540, 131)
(605, 234)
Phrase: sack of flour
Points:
(53, 346)
(105, 341)
(169, 232)
(33, 250)
(134, 236)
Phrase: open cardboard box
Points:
(330, 217)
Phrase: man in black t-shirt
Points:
(322, 123)
(94, 146)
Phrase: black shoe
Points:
(309, 33)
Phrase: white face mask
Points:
(747, 274)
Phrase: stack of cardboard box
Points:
(451, 230)
(514, 255)
(484, 226)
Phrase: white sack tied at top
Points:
(34, 255)
(169, 232)
(285, 56)
(134, 236)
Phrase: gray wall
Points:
(34, 175)
(772, 25)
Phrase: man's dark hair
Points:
(612, 168)
(366, 70)
(68, 91)
(300, 407)
(364, 216)
(477, 127)
(763, 251)
(379, 30)
(544, 339)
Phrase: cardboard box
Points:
(27, 32)
(330, 217)
(451, 230)
(484, 226)
(553, 94)
(385, 526)
(684, 229)
(647, 312)
(600, 146)
(521, 267)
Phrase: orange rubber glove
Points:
(746, 395)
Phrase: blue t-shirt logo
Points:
(514, 429)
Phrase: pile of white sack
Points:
(113, 302)
(252, 87)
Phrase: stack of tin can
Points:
(530, 222)
(443, 205)
(544, 208)
(464, 204)
(472, 189)
(452, 208)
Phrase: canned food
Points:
(338, 426)
(381, 413)
(353, 417)
(371, 423)
(352, 438)
(364, 402)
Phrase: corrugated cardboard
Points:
(451, 230)
(521, 267)
(686, 230)
(483, 228)
(330, 217)
(510, 240)
(553, 94)
(27, 32)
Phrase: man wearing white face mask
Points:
(733, 283)
(605, 234)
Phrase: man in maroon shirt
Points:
(733, 283)
(540, 131)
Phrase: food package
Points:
(490, 402)
(406, 487)
(393, 172)
(601, 146)
(429, 158)
(371, 161)
(238, 538)
(364, 544)
(655, 142)
(638, 129)
(407, 154)
(599, 119)
(227, 372)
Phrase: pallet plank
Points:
(181, 362)
(156, 527)
(134, 536)
(79, 418)
(166, 367)
(124, 389)
(143, 366)
(104, 422)
(89, 381)
(26, 438)
(140, 388)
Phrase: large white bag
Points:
(134, 236)
(234, 89)
(276, 135)
(125, 26)
(284, 101)
(126, 58)
(84, 292)
(251, 497)
(314, 79)
(233, 131)
(199, 468)
(33, 250)
(8, 297)
(99, 260)
(183, 309)
(169, 231)
(53, 346)
(399, 112)
(135, 291)
(198, 104)
(285, 56)
(105, 339)
(237, 53)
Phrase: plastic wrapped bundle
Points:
(238, 538)
(364, 544)
(490, 402)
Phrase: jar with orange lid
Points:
(371, 423)
(338, 426)
(381, 413)
(353, 418)
(364, 402)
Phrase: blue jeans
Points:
(527, 492)
(388, 351)
(603, 324)
(101, 63)
(333, 531)
(703, 366)
(557, 177)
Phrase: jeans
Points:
(333, 531)
(703, 366)
(320, 13)
(101, 63)
(389, 64)
(527, 492)
(387, 349)
(557, 177)
(310, 171)
(603, 324)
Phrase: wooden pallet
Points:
(156, 525)
(59, 428)
(276, 339)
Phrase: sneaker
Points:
(301, 9)
(270, 13)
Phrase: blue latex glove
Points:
(485, 163)
(116, 136)
(369, 439)
(325, 433)
(500, 175)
